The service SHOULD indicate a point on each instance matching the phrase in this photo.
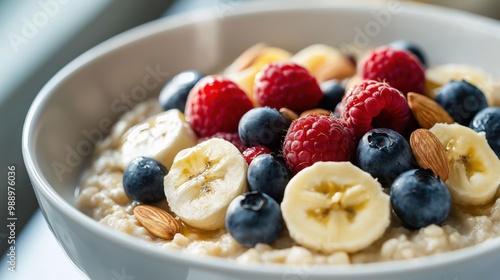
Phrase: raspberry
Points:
(372, 104)
(399, 68)
(232, 137)
(216, 105)
(314, 138)
(253, 152)
(286, 84)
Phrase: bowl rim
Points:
(42, 186)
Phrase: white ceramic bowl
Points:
(101, 83)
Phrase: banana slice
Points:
(325, 62)
(203, 181)
(439, 75)
(161, 137)
(245, 77)
(335, 206)
(474, 167)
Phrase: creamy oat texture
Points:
(102, 197)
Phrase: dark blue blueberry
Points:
(143, 180)
(253, 218)
(461, 100)
(488, 121)
(262, 126)
(268, 175)
(419, 198)
(333, 92)
(411, 47)
(384, 154)
(175, 92)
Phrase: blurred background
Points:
(39, 37)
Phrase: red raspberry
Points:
(253, 152)
(232, 137)
(372, 104)
(314, 138)
(216, 105)
(398, 68)
(286, 84)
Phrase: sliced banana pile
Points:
(439, 75)
(203, 180)
(161, 137)
(325, 62)
(335, 206)
(474, 167)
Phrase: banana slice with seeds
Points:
(161, 137)
(203, 181)
(474, 167)
(335, 206)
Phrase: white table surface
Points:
(39, 255)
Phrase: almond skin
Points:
(157, 221)
(427, 112)
(247, 58)
(429, 152)
(317, 111)
(288, 114)
(336, 71)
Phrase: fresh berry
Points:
(333, 92)
(286, 84)
(253, 218)
(314, 138)
(262, 126)
(371, 104)
(461, 100)
(488, 121)
(231, 137)
(384, 154)
(216, 105)
(419, 198)
(339, 110)
(410, 47)
(399, 68)
(252, 152)
(143, 180)
(268, 175)
(175, 92)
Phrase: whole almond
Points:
(247, 58)
(426, 111)
(317, 111)
(337, 70)
(157, 221)
(288, 114)
(429, 152)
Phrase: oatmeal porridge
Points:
(247, 181)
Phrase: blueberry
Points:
(253, 218)
(384, 154)
(333, 92)
(175, 92)
(262, 126)
(143, 180)
(268, 175)
(461, 100)
(411, 47)
(488, 121)
(419, 198)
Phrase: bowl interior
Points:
(76, 108)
